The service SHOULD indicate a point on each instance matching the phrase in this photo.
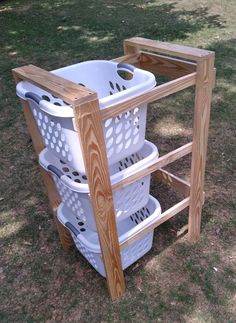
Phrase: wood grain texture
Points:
(53, 196)
(164, 65)
(163, 218)
(129, 59)
(203, 95)
(152, 95)
(173, 181)
(161, 162)
(89, 126)
(185, 52)
(66, 90)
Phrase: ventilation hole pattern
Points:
(128, 255)
(53, 99)
(72, 201)
(132, 197)
(90, 256)
(53, 134)
(136, 250)
(124, 131)
(126, 200)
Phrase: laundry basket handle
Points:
(126, 67)
(55, 170)
(33, 96)
(72, 228)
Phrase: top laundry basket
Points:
(124, 134)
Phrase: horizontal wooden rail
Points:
(173, 181)
(156, 93)
(163, 217)
(161, 162)
(185, 52)
(68, 91)
(164, 65)
(130, 59)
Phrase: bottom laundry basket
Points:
(87, 241)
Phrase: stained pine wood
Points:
(88, 123)
(203, 95)
(58, 86)
(161, 162)
(132, 45)
(173, 181)
(164, 65)
(163, 218)
(160, 64)
(152, 95)
(129, 59)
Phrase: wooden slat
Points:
(89, 126)
(157, 93)
(163, 218)
(164, 65)
(173, 181)
(161, 162)
(203, 95)
(184, 52)
(129, 59)
(66, 90)
(53, 196)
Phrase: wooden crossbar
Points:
(163, 217)
(161, 162)
(68, 91)
(164, 65)
(157, 93)
(186, 52)
(173, 181)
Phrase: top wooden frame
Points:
(186, 52)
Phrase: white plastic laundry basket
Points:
(88, 244)
(124, 134)
(74, 190)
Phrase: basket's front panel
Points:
(125, 133)
(93, 258)
(59, 136)
(131, 198)
(71, 199)
(136, 250)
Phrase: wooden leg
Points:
(89, 126)
(204, 85)
(54, 198)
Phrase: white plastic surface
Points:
(124, 134)
(74, 190)
(87, 241)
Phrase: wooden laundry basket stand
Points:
(193, 67)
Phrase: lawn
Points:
(176, 281)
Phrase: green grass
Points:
(175, 281)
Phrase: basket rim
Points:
(66, 111)
(44, 161)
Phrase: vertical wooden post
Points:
(89, 126)
(203, 95)
(54, 198)
(129, 49)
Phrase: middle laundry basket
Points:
(74, 190)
